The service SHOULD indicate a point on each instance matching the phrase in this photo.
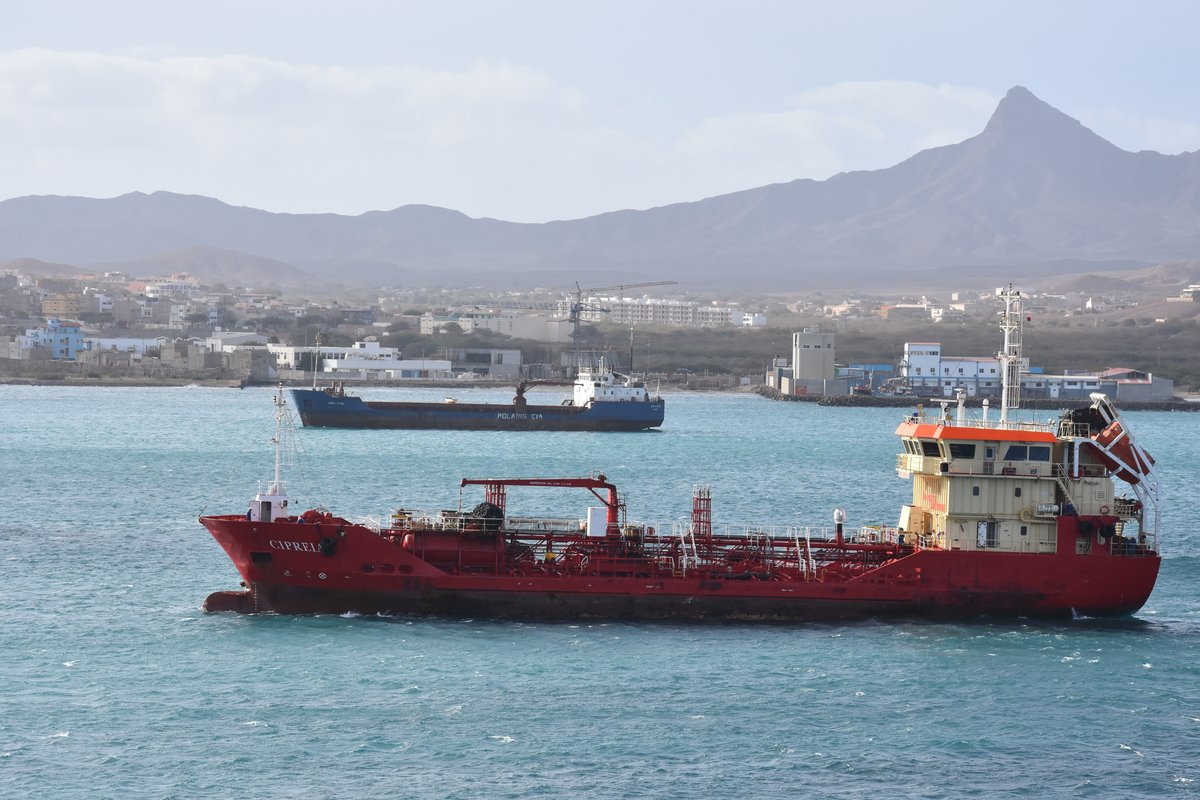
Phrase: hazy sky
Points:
(531, 111)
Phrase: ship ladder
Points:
(804, 557)
(1065, 487)
(808, 549)
(685, 557)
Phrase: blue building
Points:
(62, 337)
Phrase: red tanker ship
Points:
(1007, 518)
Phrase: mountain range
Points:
(1034, 194)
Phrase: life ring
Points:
(1103, 511)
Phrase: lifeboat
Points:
(1128, 461)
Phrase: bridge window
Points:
(1016, 452)
(930, 448)
(961, 450)
(1039, 452)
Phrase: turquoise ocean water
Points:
(115, 684)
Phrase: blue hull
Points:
(320, 409)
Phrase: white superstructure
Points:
(602, 384)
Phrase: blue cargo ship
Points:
(599, 402)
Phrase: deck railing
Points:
(937, 417)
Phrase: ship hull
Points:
(320, 409)
(287, 570)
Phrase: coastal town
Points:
(114, 326)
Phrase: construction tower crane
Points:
(578, 306)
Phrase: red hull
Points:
(339, 567)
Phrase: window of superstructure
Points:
(1016, 452)
(962, 450)
(930, 448)
(1038, 452)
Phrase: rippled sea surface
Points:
(115, 684)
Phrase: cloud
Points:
(267, 132)
(1141, 132)
(848, 126)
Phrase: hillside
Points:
(1035, 193)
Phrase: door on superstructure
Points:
(989, 459)
(986, 534)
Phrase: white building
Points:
(180, 284)
(127, 344)
(669, 313)
(812, 356)
(288, 356)
(226, 341)
(812, 370)
(391, 369)
(362, 361)
(925, 369)
(509, 323)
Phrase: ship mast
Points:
(272, 504)
(280, 410)
(1010, 356)
(317, 360)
